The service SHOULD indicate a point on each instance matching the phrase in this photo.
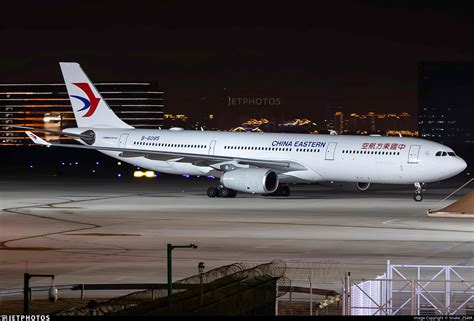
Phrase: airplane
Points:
(257, 163)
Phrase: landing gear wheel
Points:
(222, 192)
(212, 192)
(232, 192)
(418, 197)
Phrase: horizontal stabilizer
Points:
(55, 132)
(37, 140)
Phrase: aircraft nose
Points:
(460, 165)
(463, 164)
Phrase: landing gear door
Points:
(330, 151)
(212, 145)
(413, 154)
(122, 140)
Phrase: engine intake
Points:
(251, 180)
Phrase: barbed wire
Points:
(237, 272)
(327, 270)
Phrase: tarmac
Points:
(92, 230)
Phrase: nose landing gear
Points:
(418, 196)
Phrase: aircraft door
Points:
(413, 154)
(212, 145)
(330, 151)
(123, 140)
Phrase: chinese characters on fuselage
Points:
(386, 146)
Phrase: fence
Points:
(413, 290)
(310, 288)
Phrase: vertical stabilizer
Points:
(90, 109)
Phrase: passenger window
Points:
(451, 154)
(445, 154)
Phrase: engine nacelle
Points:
(363, 186)
(251, 180)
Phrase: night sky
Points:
(361, 55)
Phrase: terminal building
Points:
(47, 106)
(446, 102)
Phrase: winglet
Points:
(37, 140)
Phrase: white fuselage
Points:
(372, 159)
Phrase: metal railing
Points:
(409, 297)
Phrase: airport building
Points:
(47, 106)
(446, 102)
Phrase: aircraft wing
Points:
(219, 162)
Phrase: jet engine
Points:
(251, 180)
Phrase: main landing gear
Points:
(221, 191)
(418, 196)
(282, 190)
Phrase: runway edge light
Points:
(138, 174)
(149, 174)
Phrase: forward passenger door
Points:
(330, 150)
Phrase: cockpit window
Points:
(443, 153)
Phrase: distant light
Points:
(52, 119)
(70, 164)
(97, 163)
(210, 177)
(149, 174)
(77, 163)
(93, 171)
(186, 175)
(31, 166)
(63, 163)
(119, 175)
(138, 167)
(154, 176)
(119, 163)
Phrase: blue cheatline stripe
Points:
(86, 102)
